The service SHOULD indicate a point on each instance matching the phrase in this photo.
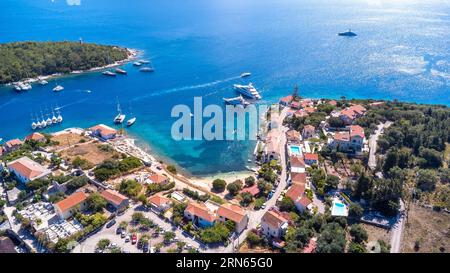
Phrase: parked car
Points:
(139, 245)
(134, 239)
(264, 205)
(145, 247)
(152, 250)
(118, 230)
(123, 234)
(155, 234)
(111, 223)
(127, 238)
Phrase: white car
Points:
(264, 205)
(152, 250)
(128, 238)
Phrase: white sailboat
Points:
(132, 120)
(34, 125)
(58, 88)
(120, 117)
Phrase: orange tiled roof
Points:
(113, 196)
(157, 178)
(297, 162)
(231, 212)
(293, 135)
(356, 130)
(273, 219)
(103, 129)
(35, 136)
(27, 167)
(158, 200)
(200, 210)
(296, 191)
(311, 156)
(71, 201)
(287, 99)
(298, 178)
(342, 136)
(13, 142)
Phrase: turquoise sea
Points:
(199, 48)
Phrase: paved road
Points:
(373, 143)
(89, 245)
(255, 216)
(397, 230)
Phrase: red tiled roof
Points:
(297, 162)
(253, 190)
(27, 167)
(309, 110)
(71, 201)
(311, 156)
(113, 197)
(13, 142)
(298, 178)
(158, 200)
(273, 219)
(358, 108)
(295, 104)
(309, 128)
(356, 130)
(287, 99)
(103, 130)
(293, 135)
(304, 201)
(342, 136)
(231, 212)
(201, 211)
(311, 246)
(332, 102)
(157, 178)
(35, 136)
(296, 191)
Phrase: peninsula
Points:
(25, 60)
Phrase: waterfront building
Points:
(103, 132)
(12, 145)
(159, 202)
(115, 199)
(27, 170)
(38, 137)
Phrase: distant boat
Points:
(137, 64)
(147, 69)
(131, 121)
(144, 61)
(22, 86)
(109, 73)
(58, 88)
(43, 82)
(17, 88)
(245, 74)
(348, 33)
(121, 71)
(236, 101)
(248, 91)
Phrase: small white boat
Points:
(245, 74)
(236, 101)
(109, 73)
(24, 86)
(43, 82)
(34, 125)
(137, 63)
(121, 71)
(17, 88)
(58, 88)
(248, 91)
(59, 119)
(147, 69)
(120, 117)
(49, 121)
(144, 61)
(131, 121)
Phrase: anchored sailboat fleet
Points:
(39, 122)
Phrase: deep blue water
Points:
(200, 47)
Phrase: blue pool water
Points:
(295, 150)
(199, 48)
(338, 209)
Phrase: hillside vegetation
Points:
(22, 60)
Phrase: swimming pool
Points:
(339, 209)
(295, 150)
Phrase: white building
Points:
(27, 170)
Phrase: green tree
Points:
(287, 204)
(358, 233)
(219, 185)
(356, 248)
(96, 202)
(250, 181)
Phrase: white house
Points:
(273, 224)
(67, 207)
(27, 170)
(233, 213)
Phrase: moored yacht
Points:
(137, 63)
(131, 121)
(236, 101)
(247, 90)
(245, 74)
(58, 88)
(43, 82)
(120, 117)
(147, 69)
(109, 73)
(121, 71)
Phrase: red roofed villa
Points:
(27, 170)
(66, 207)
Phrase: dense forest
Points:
(22, 60)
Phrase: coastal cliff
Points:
(22, 60)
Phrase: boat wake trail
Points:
(184, 88)
(70, 104)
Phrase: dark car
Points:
(139, 244)
(110, 224)
(145, 247)
(118, 230)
